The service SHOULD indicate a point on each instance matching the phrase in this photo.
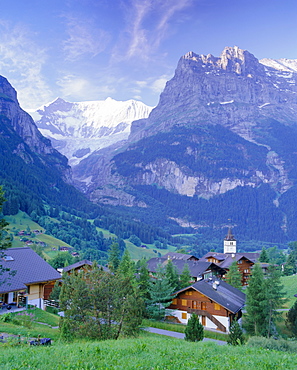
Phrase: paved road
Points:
(175, 334)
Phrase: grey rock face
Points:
(236, 91)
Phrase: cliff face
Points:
(30, 142)
(224, 125)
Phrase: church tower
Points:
(229, 242)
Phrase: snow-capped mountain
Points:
(79, 129)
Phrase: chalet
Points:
(198, 269)
(180, 256)
(83, 265)
(245, 261)
(30, 278)
(215, 302)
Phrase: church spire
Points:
(229, 242)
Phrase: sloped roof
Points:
(80, 264)
(197, 268)
(29, 268)
(226, 259)
(224, 294)
(180, 256)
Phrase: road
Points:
(175, 334)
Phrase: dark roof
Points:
(227, 258)
(224, 294)
(80, 264)
(30, 268)
(180, 256)
(197, 268)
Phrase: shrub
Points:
(273, 344)
(194, 330)
(235, 337)
(24, 319)
(6, 317)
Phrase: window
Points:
(194, 305)
(174, 301)
(184, 315)
(184, 302)
(217, 307)
(239, 262)
(189, 292)
(203, 305)
(246, 271)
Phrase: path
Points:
(175, 334)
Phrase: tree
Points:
(291, 321)
(185, 277)
(160, 291)
(172, 275)
(194, 331)
(59, 260)
(114, 257)
(235, 337)
(233, 276)
(100, 305)
(264, 258)
(126, 267)
(143, 280)
(275, 298)
(255, 320)
(290, 265)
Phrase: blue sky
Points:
(127, 49)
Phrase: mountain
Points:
(221, 144)
(34, 174)
(78, 129)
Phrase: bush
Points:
(273, 344)
(235, 337)
(23, 318)
(194, 330)
(6, 317)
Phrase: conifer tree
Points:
(126, 267)
(264, 258)
(291, 321)
(185, 277)
(255, 320)
(233, 276)
(172, 275)
(235, 337)
(143, 279)
(114, 257)
(194, 331)
(161, 296)
(275, 298)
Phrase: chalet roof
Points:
(180, 256)
(224, 294)
(29, 268)
(80, 264)
(197, 268)
(226, 259)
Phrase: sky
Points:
(82, 50)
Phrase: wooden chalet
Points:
(215, 302)
(198, 269)
(84, 265)
(30, 278)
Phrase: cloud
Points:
(147, 25)
(21, 62)
(84, 38)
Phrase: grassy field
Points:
(146, 352)
(290, 287)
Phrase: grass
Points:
(290, 287)
(180, 328)
(146, 352)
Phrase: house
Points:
(245, 261)
(32, 278)
(215, 302)
(83, 265)
(198, 269)
(180, 256)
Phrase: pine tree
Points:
(233, 276)
(264, 258)
(172, 275)
(291, 321)
(275, 298)
(185, 277)
(255, 320)
(126, 267)
(235, 336)
(143, 280)
(5, 241)
(114, 257)
(161, 296)
(194, 331)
